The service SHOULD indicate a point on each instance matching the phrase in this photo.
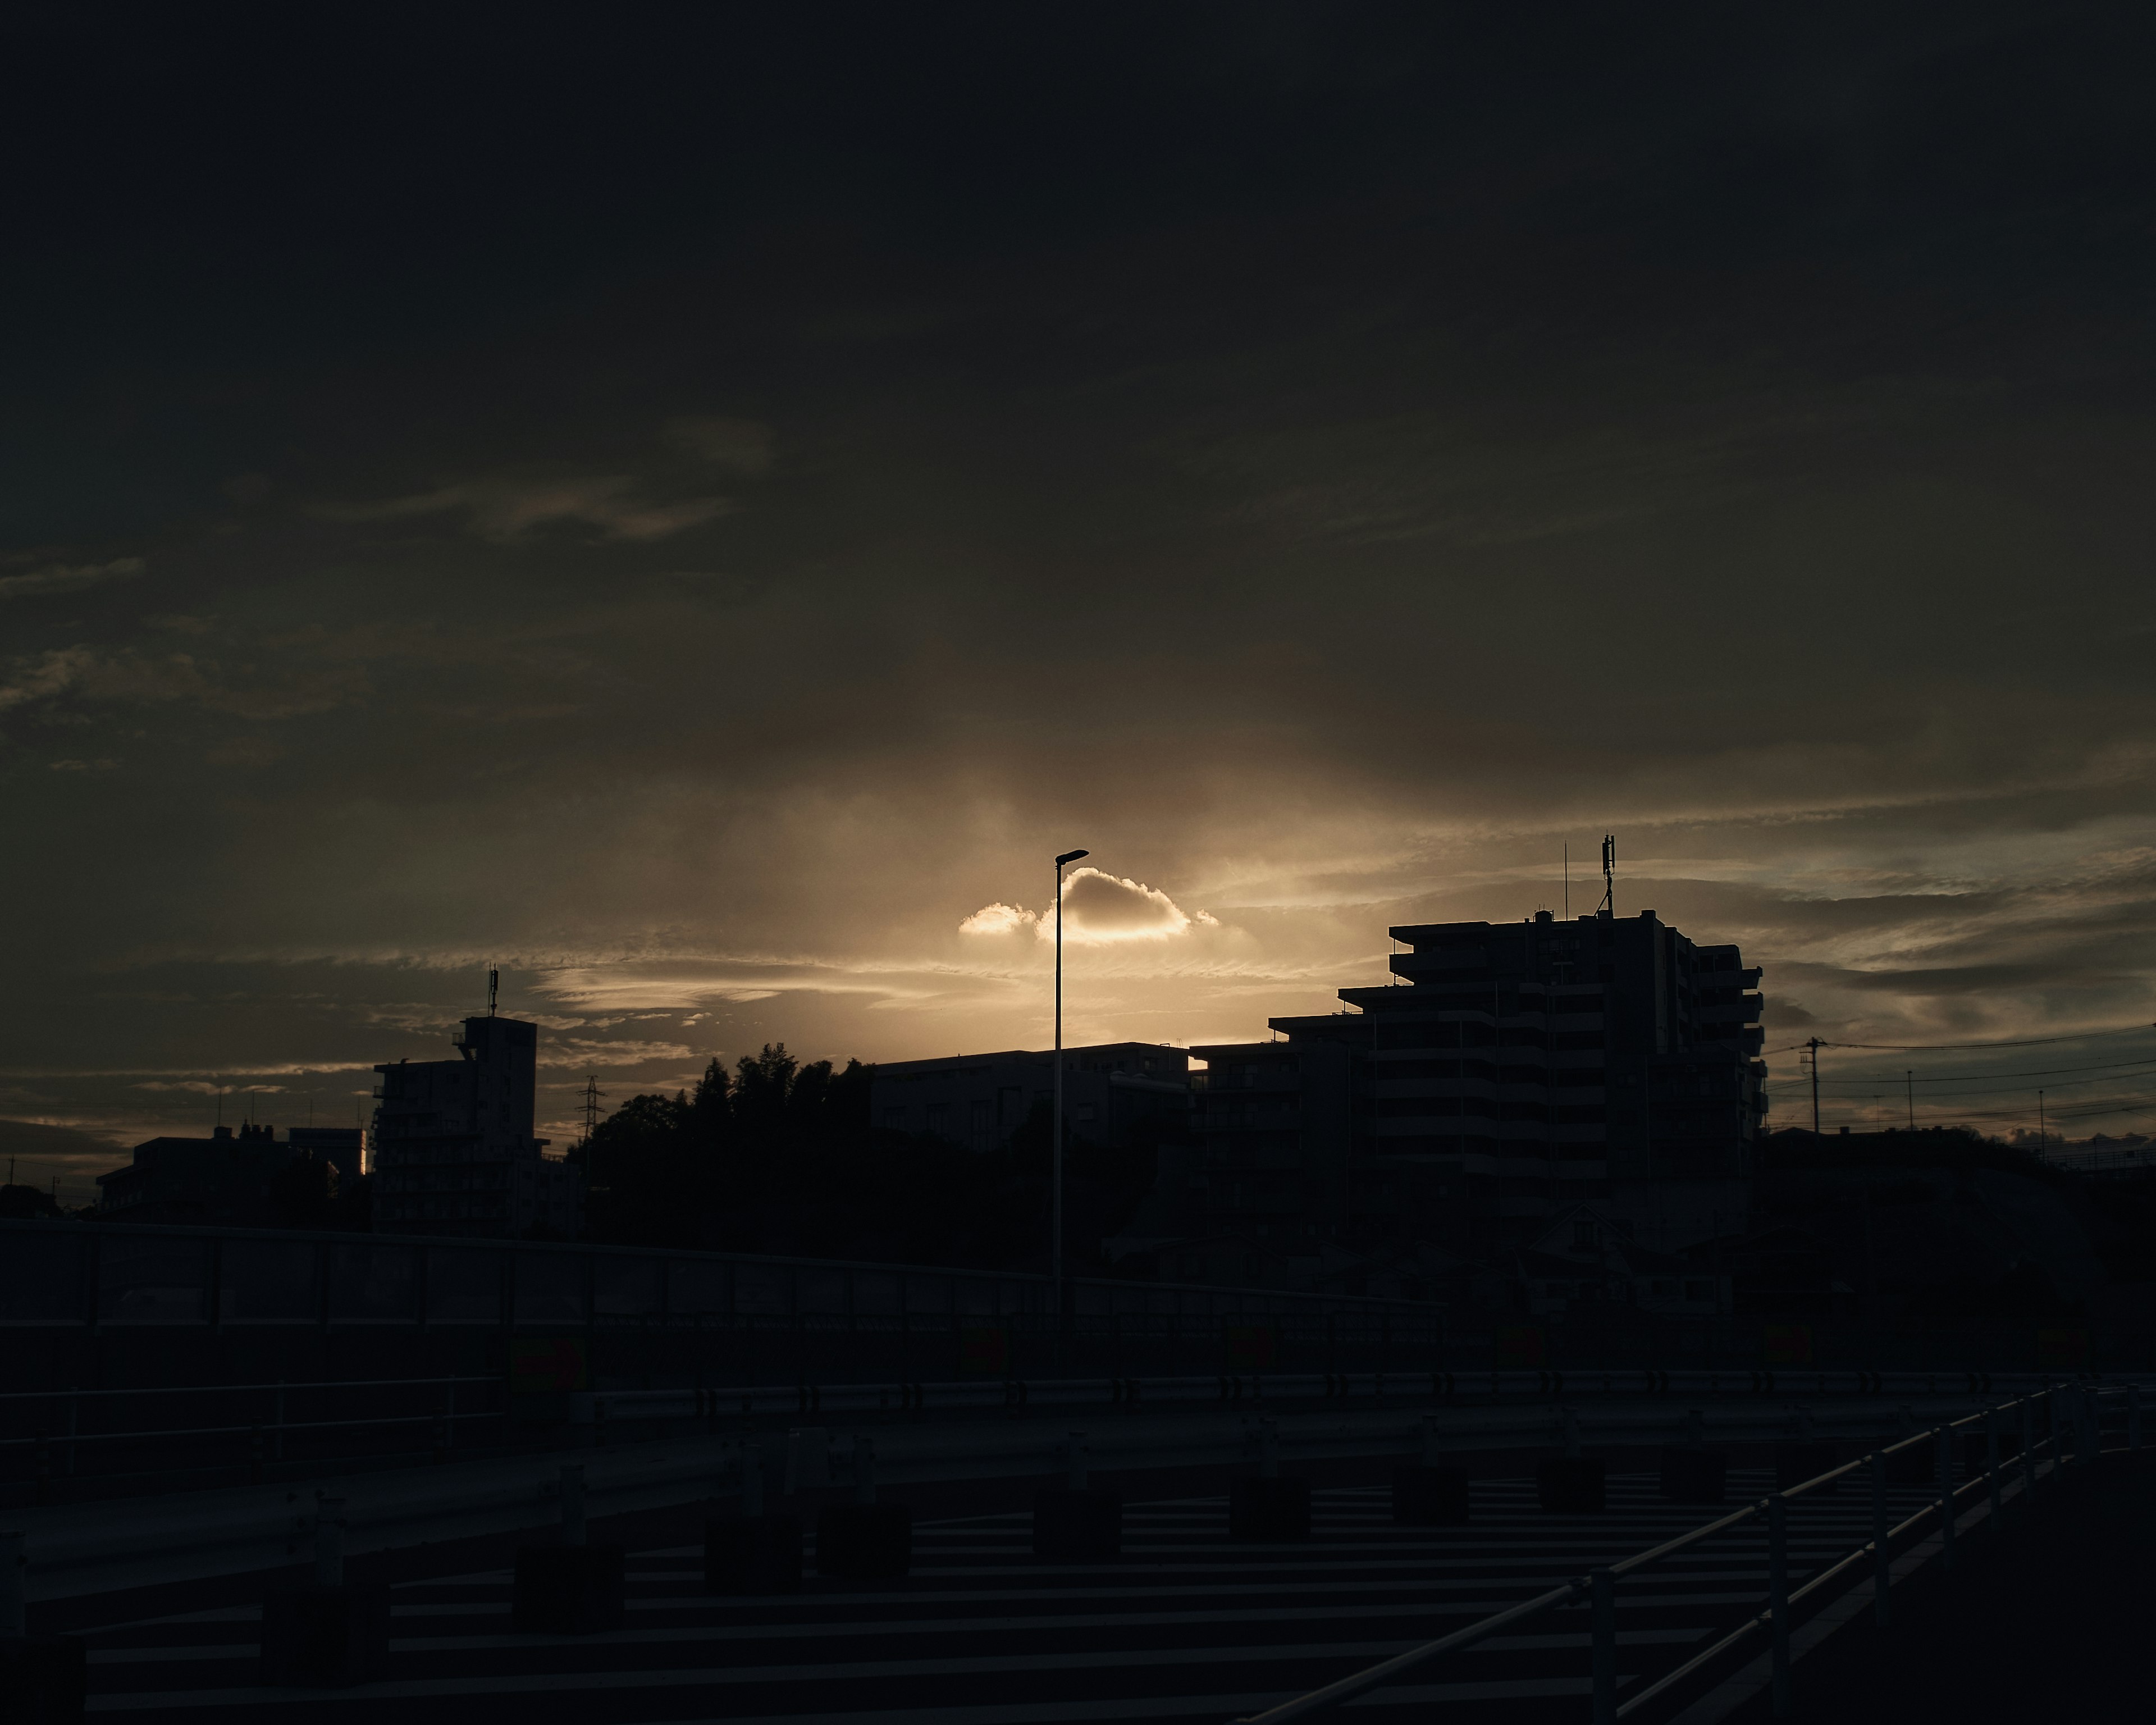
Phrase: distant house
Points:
(1583, 1263)
(1787, 1271)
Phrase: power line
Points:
(2087, 1111)
(2026, 1042)
(1851, 1086)
(2018, 1072)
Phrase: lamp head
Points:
(1070, 856)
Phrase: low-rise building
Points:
(1271, 1135)
(224, 1180)
(1114, 1093)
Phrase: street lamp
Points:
(1056, 1178)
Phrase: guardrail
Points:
(1265, 1388)
(95, 1274)
(265, 1436)
(1599, 1587)
(55, 1445)
(98, 1547)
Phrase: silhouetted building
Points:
(1111, 1092)
(1273, 1127)
(453, 1148)
(343, 1147)
(1513, 1069)
(224, 1179)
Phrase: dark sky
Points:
(694, 504)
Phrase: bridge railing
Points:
(175, 1428)
(74, 1440)
(2041, 1457)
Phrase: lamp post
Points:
(1055, 1177)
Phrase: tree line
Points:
(783, 1158)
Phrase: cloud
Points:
(997, 919)
(507, 509)
(68, 578)
(635, 989)
(246, 751)
(130, 676)
(607, 1056)
(198, 1087)
(103, 763)
(740, 446)
(52, 674)
(1098, 908)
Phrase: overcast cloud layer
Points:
(701, 516)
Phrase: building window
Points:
(1586, 1236)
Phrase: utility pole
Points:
(2043, 1135)
(1909, 1079)
(592, 1094)
(1815, 1045)
(1609, 876)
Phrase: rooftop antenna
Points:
(1609, 876)
(493, 988)
(1567, 883)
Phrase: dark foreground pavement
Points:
(2053, 1621)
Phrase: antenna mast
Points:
(592, 1094)
(1609, 876)
(493, 988)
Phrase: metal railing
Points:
(1599, 1588)
(265, 1436)
(1256, 1389)
(44, 1442)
